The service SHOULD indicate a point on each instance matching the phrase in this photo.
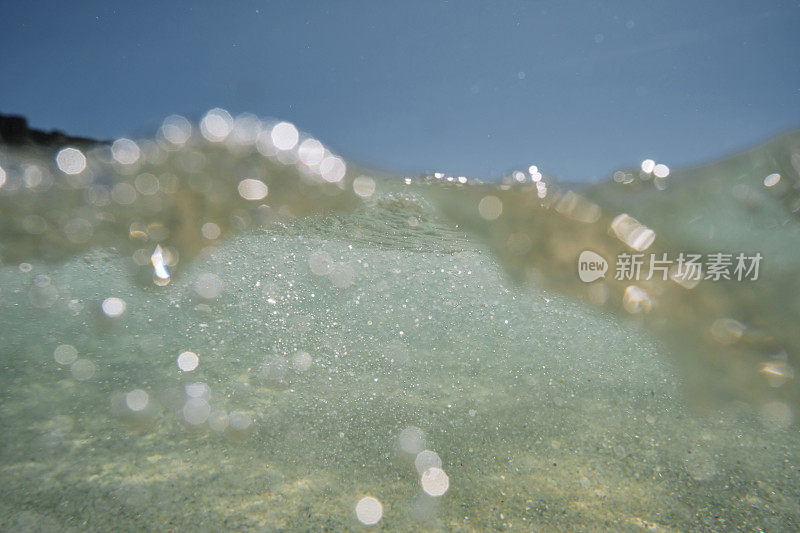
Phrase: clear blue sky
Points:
(479, 88)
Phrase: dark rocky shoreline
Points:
(14, 130)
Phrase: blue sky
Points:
(475, 88)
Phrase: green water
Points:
(334, 346)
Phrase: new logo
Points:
(591, 266)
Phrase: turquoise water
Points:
(188, 351)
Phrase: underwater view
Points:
(217, 321)
(229, 327)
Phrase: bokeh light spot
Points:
(71, 161)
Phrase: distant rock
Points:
(14, 130)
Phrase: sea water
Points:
(229, 327)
